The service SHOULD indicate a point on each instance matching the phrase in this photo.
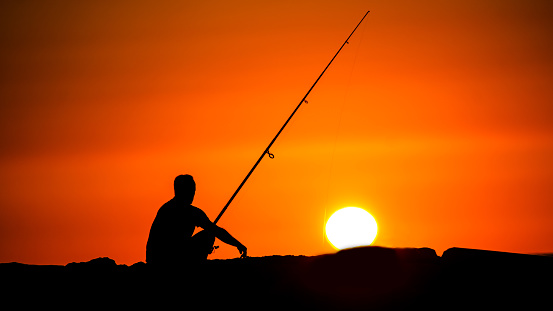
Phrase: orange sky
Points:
(437, 118)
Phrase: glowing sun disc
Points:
(351, 227)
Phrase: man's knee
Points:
(204, 237)
(202, 243)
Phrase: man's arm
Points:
(224, 236)
(221, 234)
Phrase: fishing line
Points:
(330, 178)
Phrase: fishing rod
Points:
(266, 151)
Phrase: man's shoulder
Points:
(167, 207)
(197, 210)
(200, 217)
(169, 203)
(170, 209)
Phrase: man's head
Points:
(185, 188)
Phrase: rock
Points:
(492, 279)
(368, 277)
(355, 279)
(100, 262)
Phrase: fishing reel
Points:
(213, 249)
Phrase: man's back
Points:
(171, 231)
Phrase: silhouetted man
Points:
(171, 239)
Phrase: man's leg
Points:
(201, 245)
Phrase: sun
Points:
(351, 227)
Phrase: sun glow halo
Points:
(351, 227)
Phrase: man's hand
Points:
(243, 251)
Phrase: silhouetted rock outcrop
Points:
(494, 279)
(354, 279)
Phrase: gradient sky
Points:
(437, 118)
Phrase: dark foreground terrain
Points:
(368, 278)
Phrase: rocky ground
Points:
(367, 278)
